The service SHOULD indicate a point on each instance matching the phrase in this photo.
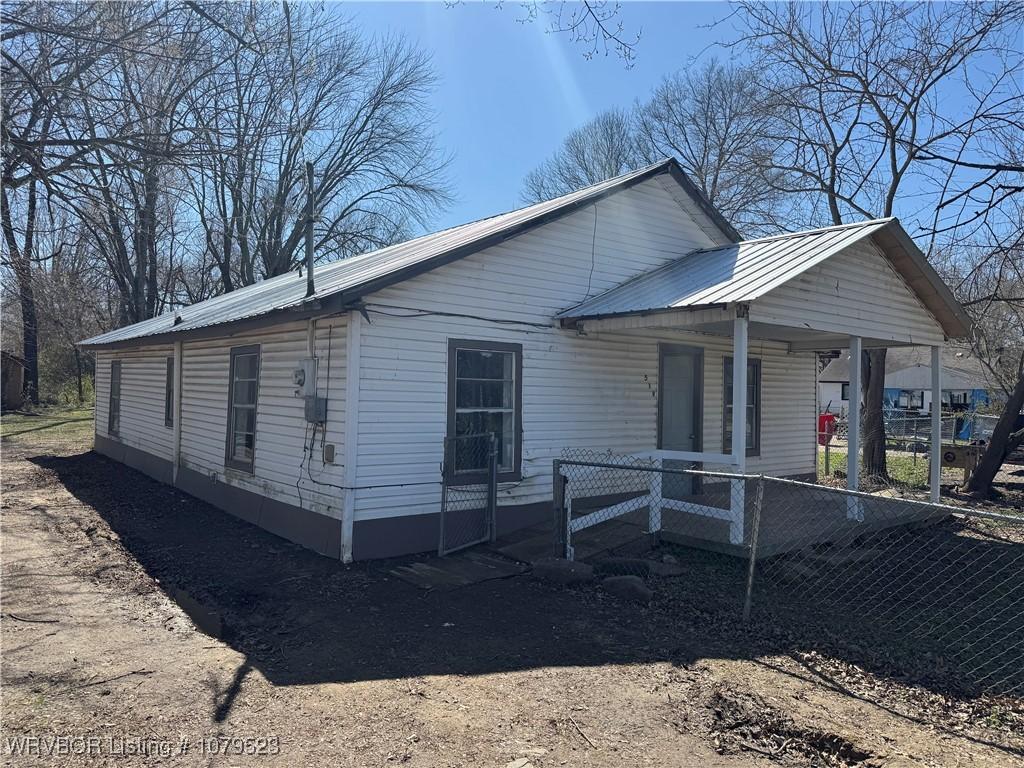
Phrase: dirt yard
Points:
(141, 626)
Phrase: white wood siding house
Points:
(582, 299)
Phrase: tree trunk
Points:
(149, 243)
(30, 339)
(872, 423)
(21, 263)
(1004, 441)
(78, 375)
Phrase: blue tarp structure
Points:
(979, 397)
(890, 399)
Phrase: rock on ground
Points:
(564, 572)
(628, 588)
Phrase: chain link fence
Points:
(938, 590)
(907, 447)
(469, 491)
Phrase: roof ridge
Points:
(582, 192)
(802, 233)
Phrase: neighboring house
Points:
(965, 381)
(607, 319)
(12, 380)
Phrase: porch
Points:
(857, 287)
(700, 497)
(724, 512)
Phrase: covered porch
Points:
(856, 288)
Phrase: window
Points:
(909, 399)
(959, 398)
(169, 394)
(484, 397)
(845, 391)
(114, 405)
(753, 407)
(242, 393)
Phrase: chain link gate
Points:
(469, 491)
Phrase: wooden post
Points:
(935, 467)
(854, 510)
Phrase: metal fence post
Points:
(755, 529)
(492, 486)
(445, 478)
(558, 493)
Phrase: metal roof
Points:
(742, 272)
(346, 280)
(738, 272)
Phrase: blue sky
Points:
(508, 92)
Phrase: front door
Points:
(679, 412)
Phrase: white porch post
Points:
(739, 393)
(352, 374)
(854, 511)
(935, 465)
(739, 423)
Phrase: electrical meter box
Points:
(316, 410)
(304, 378)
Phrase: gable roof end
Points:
(743, 272)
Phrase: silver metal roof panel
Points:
(358, 275)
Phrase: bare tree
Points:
(20, 252)
(986, 269)
(172, 137)
(594, 25)
(718, 120)
(305, 90)
(864, 92)
(57, 61)
(598, 150)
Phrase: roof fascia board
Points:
(926, 277)
(225, 330)
(702, 200)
